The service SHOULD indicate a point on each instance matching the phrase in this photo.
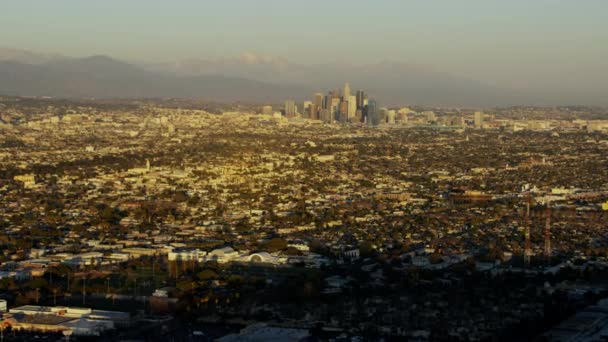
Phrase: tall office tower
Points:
(478, 119)
(306, 108)
(360, 95)
(373, 114)
(391, 117)
(325, 115)
(359, 116)
(365, 101)
(312, 112)
(346, 94)
(343, 117)
(383, 112)
(334, 108)
(352, 108)
(318, 100)
(430, 116)
(290, 108)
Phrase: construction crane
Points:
(527, 244)
(547, 232)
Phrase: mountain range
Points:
(248, 78)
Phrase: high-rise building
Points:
(360, 98)
(391, 117)
(318, 101)
(267, 110)
(373, 114)
(383, 114)
(352, 108)
(359, 116)
(402, 115)
(346, 93)
(290, 108)
(306, 108)
(343, 111)
(325, 115)
(313, 112)
(334, 108)
(478, 119)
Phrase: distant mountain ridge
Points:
(104, 77)
(254, 79)
(389, 82)
(27, 57)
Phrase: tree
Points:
(235, 281)
(435, 258)
(276, 244)
(207, 274)
(366, 249)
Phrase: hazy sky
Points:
(507, 42)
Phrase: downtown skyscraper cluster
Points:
(341, 106)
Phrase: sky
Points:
(514, 43)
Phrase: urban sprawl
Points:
(334, 219)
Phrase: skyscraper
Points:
(391, 117)
(290, 108)
(306, 109)
(360, 98)
(373, 115)
(352, 108)
(325, 115)
(334, 108)
(343, 111)
(318, 100)
(313, 112)
(346, 94)
(382, 114)
(359, 115)
(478, 119)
